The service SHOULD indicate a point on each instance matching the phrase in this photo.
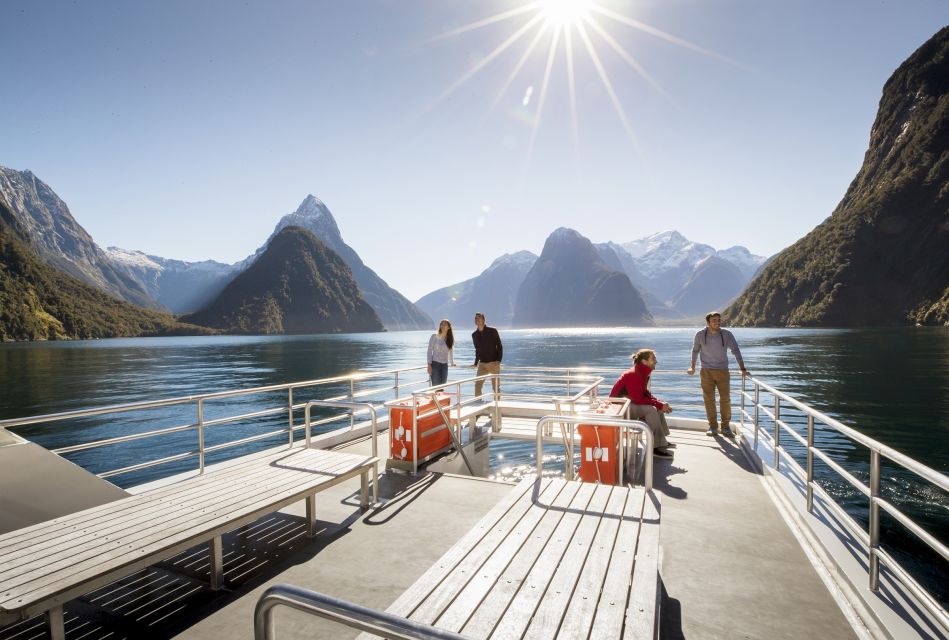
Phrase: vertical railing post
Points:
(810, 463)
(415, 434)
(396, 384)
(741, 408)
(352, 398)
(777, 432)
(290, 412)
(874, 520)
(757, 400)
(201, 436)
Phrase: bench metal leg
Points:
(56, 624)
(364, 489)
(217, 563)
(311, 516)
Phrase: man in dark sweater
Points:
(488, 352)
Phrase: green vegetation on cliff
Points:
(881, 258)
(39, 302)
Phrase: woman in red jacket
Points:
(643, 405)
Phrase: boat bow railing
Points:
(350, 614)
(199, 402)
(871, 536)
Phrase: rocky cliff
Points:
(570, 286)
(881, 258)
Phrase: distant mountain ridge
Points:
(881, 257)
(493, 292)
(569, 285)
(297, 285)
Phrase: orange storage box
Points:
(599, 454)
(432, 433)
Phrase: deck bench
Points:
(555, 559)
(48, 564)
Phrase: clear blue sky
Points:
(187, 129)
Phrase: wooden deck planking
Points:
(615, 594)
(483, 620)
(644, 592)
(558, 595)
(525, 602)
(578, 617)
(461, 595)
(314, 469)
(412, 597)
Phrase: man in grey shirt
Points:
(711, 344)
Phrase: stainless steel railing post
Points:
(396, 384)
(757, 401)
(810, 463)
(290, 412)
(200, 436)
(777, 432)
(378, 623)
(874, 519)
(352, 398)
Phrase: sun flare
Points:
(561, 13)
(571, 29)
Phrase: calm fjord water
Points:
(891, 384)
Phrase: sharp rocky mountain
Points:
(395, 310)
(569, 285)
(61, 242)
(297, 285)
(882, 257)
(40, 302)
(493, 292)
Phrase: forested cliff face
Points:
(882, 257)
(40, 302)
(298, 285)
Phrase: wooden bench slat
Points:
(560, 590)
(525, 602)
(102, 533)
(487, 559)
(480, 622)
(578, 617)
(77, 574)
(145, 541)
(152, 513)
(36, 532)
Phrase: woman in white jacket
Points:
(441, 353)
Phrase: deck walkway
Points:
(731, 567)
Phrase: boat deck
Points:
(724, 550)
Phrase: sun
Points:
(569, 29)
(564, 13)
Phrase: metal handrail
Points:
(619, 423)
(871, 536)
(201, 424)
(353, 615)
(364, 406)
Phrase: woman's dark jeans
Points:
(439, 373)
